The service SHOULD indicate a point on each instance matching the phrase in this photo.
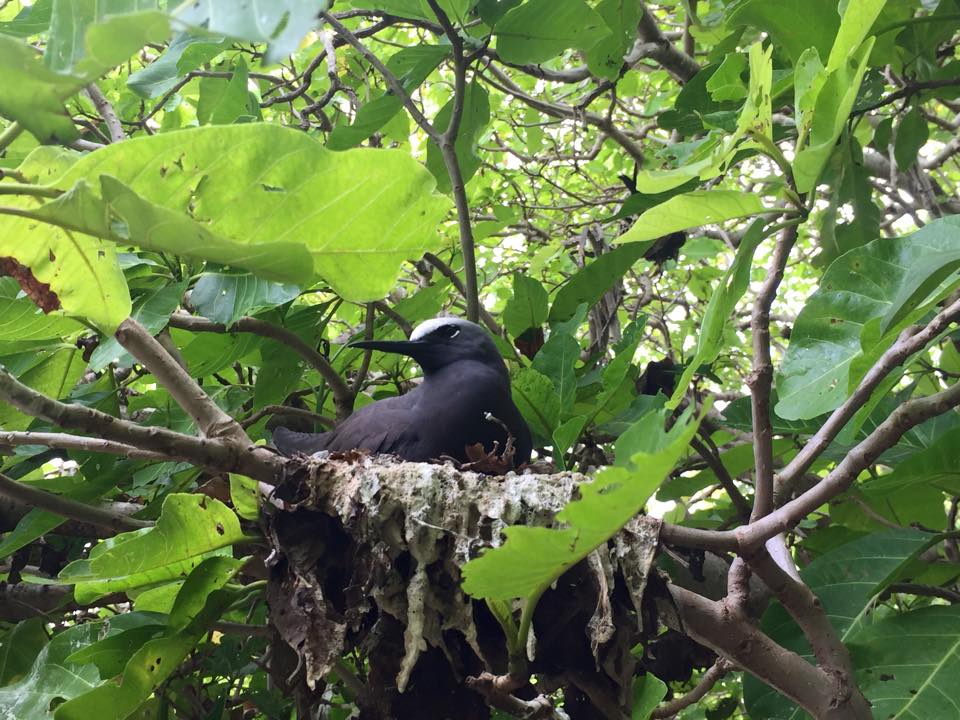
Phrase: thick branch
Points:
(733, 636)
(257, 463)
(109, 115)
(70, 509)
(210, 419)
(343, 397)
(673, 60)
(62, 441)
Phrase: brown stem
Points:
(716, 671)
(210, 419)
(343, 397)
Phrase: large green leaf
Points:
(53, 371)
(794, 25)
(538, 401)
(90, 36)
(829, 116)
(556, 360)
(278, 204)
(190, 527)
(846, 580)
(527, 307)
(541, 29)
(186, 52)
(476, 115)
(200, 601)
(605, 58)
(907, 665)
(19, 648)
(227, 298)
(883, 281)
(32, 94)
(51, 678)
(692, 209)
(24, 326)
(533, 557)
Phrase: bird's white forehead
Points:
(428, 326)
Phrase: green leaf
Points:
(245, 496)
(476, 115)
(189, 527)
(883, 281)
(726, 83)
(52, 372)
(692, 209)
(858, 19)
(907, 665)
(565, 436)
(556, 360)
(527, 307)
(794, 25)
(210, 575)
(33, 95)
(152, 310)
(935, 465)
(257, 206)
(281, 23)
(589, 284)
(605, 58)
(31, 20)
(51, 678)
(223, 100)
(127, 634)
(19, 648)
(537, 399)
(648, 691)
(722, 302)
(541, 29)
(531, 558)
(24, 326)
(186, 52)
(832, 108)
(88, 37)
(411, 66)
(150, 665)
(226, 298)
(912, 134)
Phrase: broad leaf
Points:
(541, 29)
(537, 399)
(556, 360)
(476, 115)
(226, 298)
(692, 209)
(881, 282)
(189, 528)
(527, 307)
(589, 284)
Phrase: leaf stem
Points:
(9, 135)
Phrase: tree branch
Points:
(62, 441)
(710, 678)
(210, 419)
(343, 397)
(70, 509)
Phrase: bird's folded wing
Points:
(289, 442)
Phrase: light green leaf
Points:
(531, 558)
(885, 280)
(186, 52)
(223, 100)
(605, 58)
(829, 116)
(565, 436)
(541, 29)
(692, 209)
(556, 360)
(858, 18)
(19, 648)
(476, 115)
(53, 372)
(912, 134)
(245, 496)
(281, 23)
(189, 528)
(722, 302)
(537, 400)
(24, 326)
(256, 207)
(725, 83)
(648, 691)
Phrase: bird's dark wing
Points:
(388, 430)
(289, 442)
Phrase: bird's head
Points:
(442, 341)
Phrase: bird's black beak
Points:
(399, 347)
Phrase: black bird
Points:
(464, 399)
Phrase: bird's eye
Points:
(448, 331)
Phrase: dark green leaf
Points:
(226, 298)
(527, 307)
(590, 283)
(541, 29)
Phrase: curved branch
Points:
(710, 678)
(63, 441)
(343, 397)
